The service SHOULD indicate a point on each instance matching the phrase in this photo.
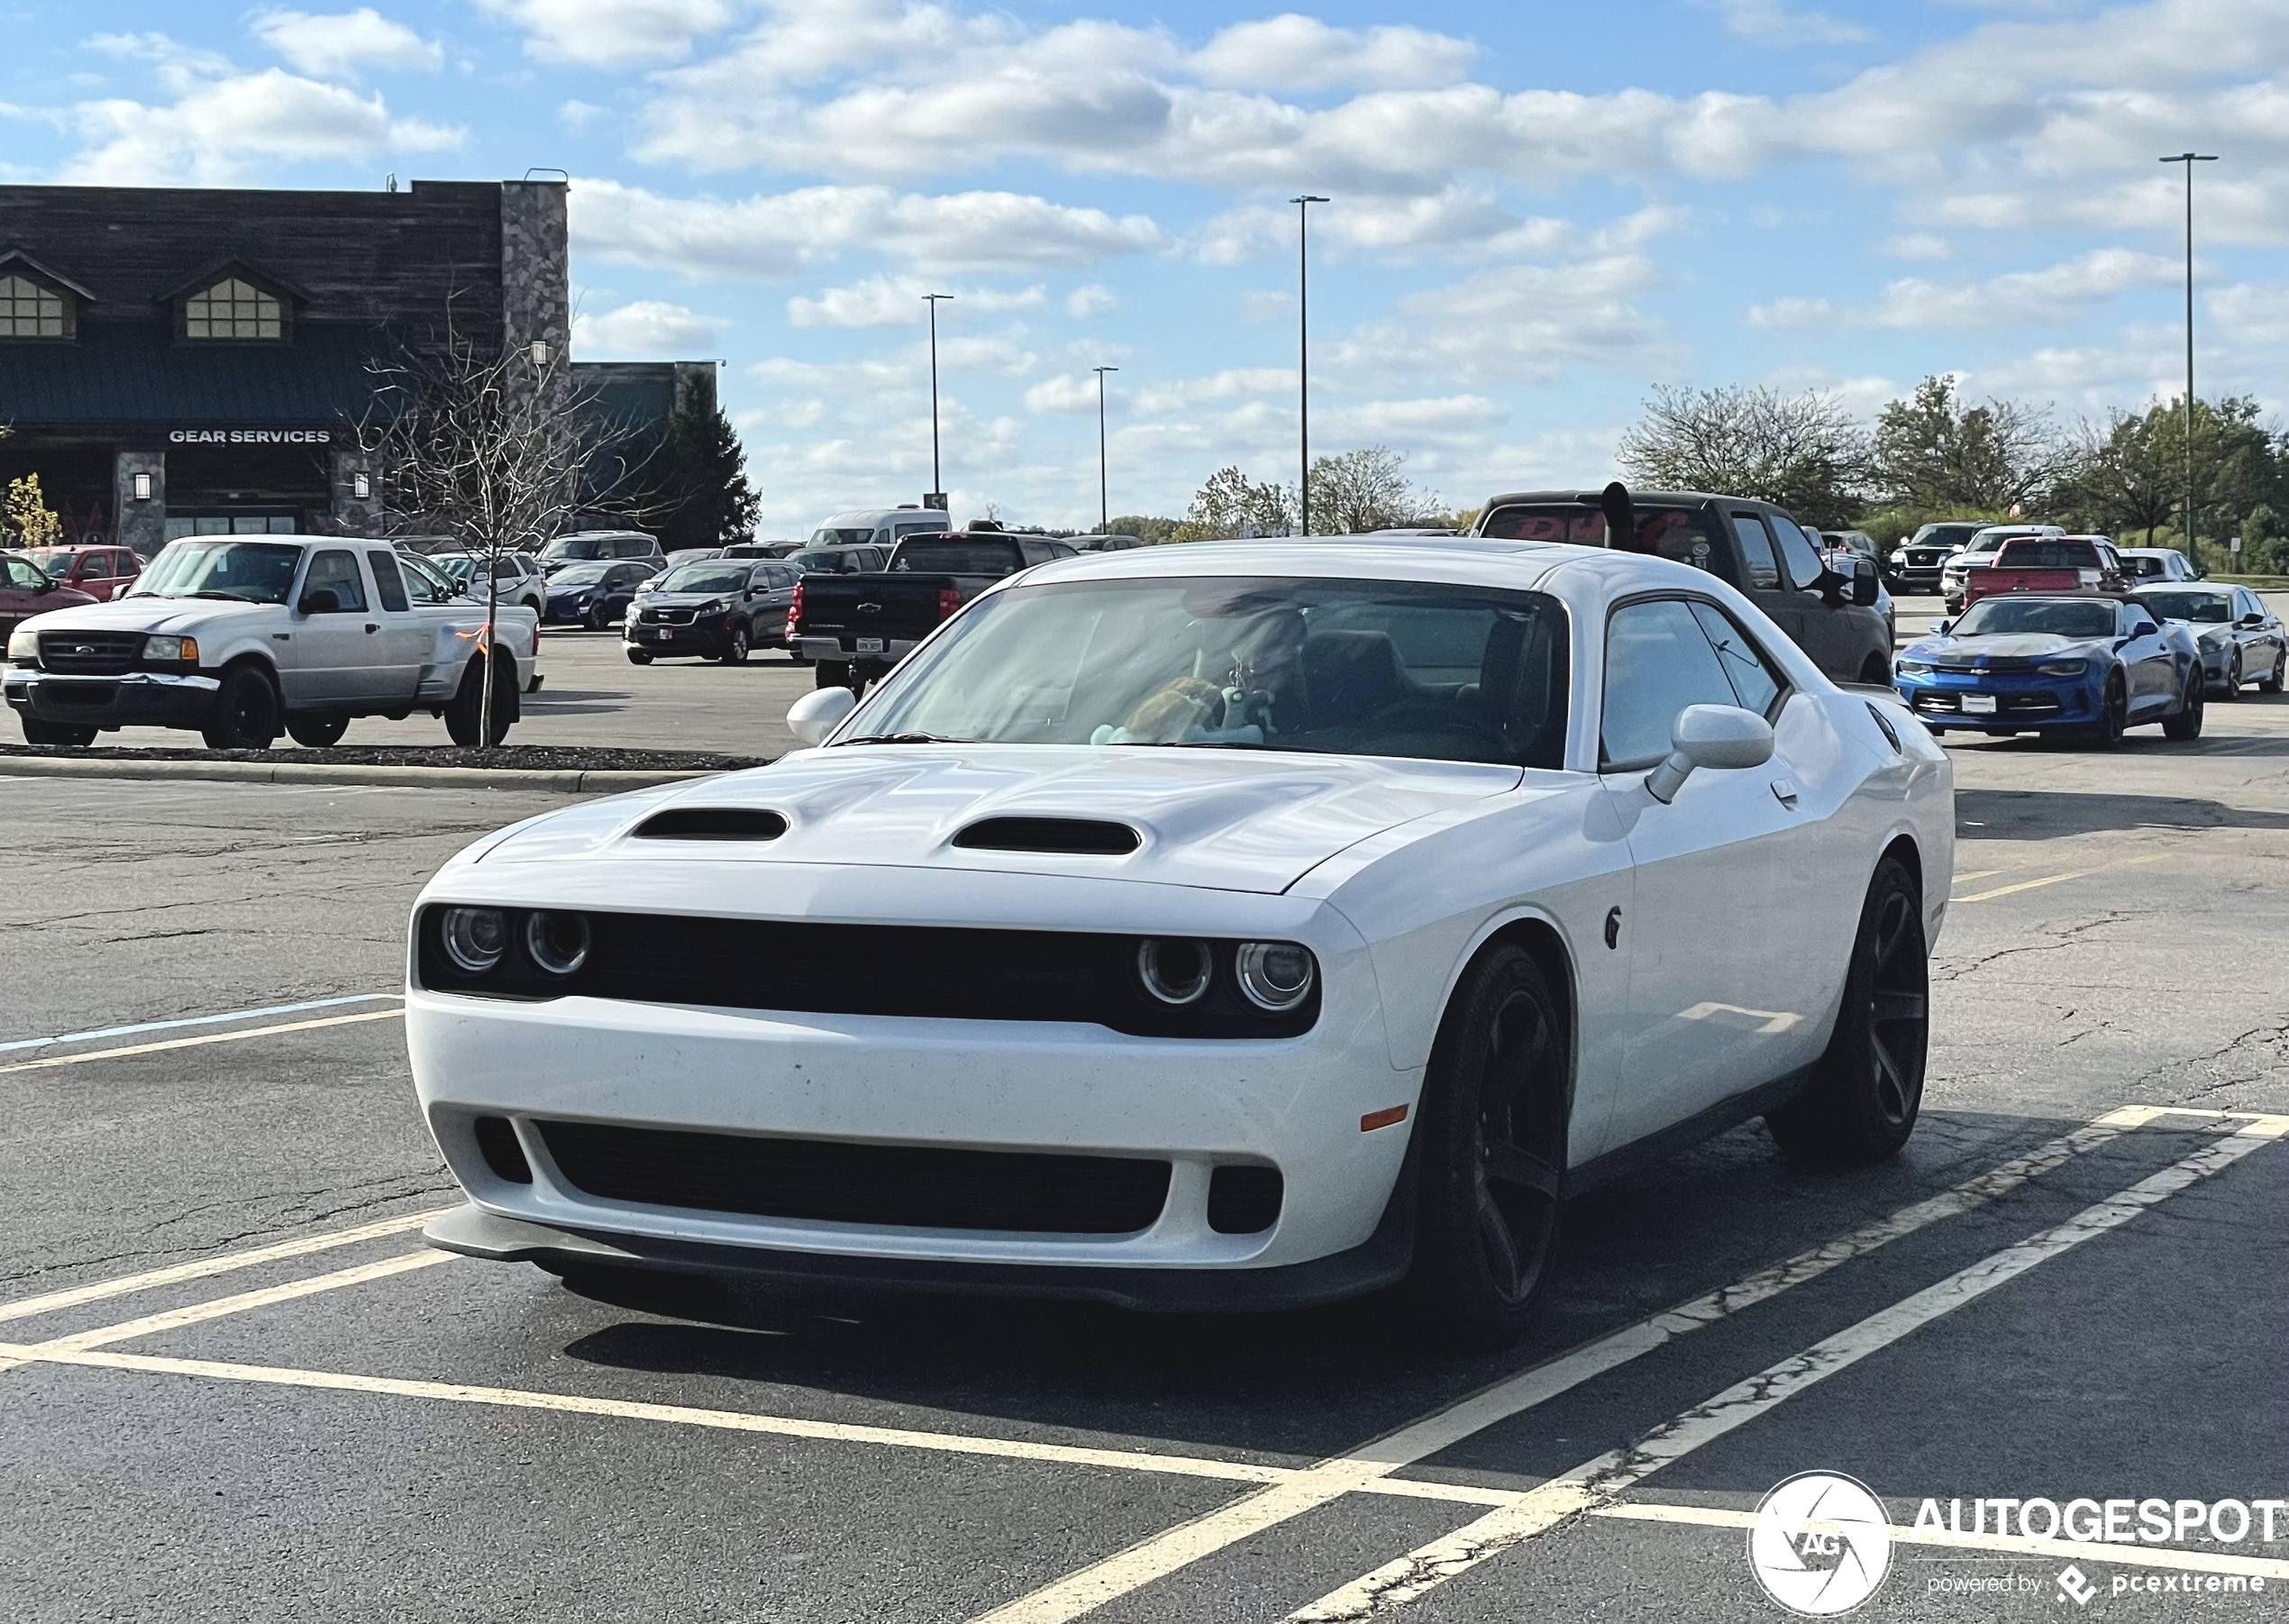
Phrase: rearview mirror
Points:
(819, 713)
(1708, 735)
(320, 600)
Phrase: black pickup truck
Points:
(853, 628)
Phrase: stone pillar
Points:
(536, 299)
(354, 514)
(142, 524)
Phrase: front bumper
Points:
(134, 699)
(704, 637)
(2021, 700)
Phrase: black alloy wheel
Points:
(245, 714)
(736, 645)
(314, 730)
(464, 711)
(2113, 715)
(1492, 1152)
(2233, 677)
(2188, 722)
(594, 618)
(70, 735)
(1867, 1087)
(2274, 683)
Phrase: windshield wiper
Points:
(214, 592)
(904, 738)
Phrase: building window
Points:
(28, 310)
(233, 308)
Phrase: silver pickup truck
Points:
(239, 637)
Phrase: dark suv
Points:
(1750, 545)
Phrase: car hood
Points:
(1220, 819)
(685, 600)
(153, 615)
(2005, 647)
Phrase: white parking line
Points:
(196, 1020)
(1596, 1482)
(72, 1296)
(2200, 1561)
(1088, 1588)
(46, 1061)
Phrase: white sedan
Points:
(1233, 926)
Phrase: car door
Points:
(21, 594)
(336, 646)
(1725, 989)
(1827, 633)
(2149, 669)
(403, 637)
(1760, 576)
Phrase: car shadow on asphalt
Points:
(2054, 813)
(1308, 1382)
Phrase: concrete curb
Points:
(570, 782)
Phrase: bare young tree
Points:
(494, 449)
(1802, 452)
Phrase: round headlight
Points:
(559, 943)
(475, 937)
(1275, 975)
(1174, 970)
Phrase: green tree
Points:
(1802, 452)
(1354, 492)
(1932, 452)
(693, 481)
(1230, 503)
(1152, 532)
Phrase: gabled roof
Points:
(208, 275)
(17, 256)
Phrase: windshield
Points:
(459, 565)
(558, 551)
(2062, 617)
(254, 571)
(957, 558)
(424, 582)
(2152, 564)
(57, 564)
(827, 536)
(1943, 535)
(705, 578)
(2047, 553)
(578, 575)
(1343, 667)
(2216, 607)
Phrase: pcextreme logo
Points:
(1820, 1544)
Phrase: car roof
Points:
(2149, 552)
(1637, 498)
(1464, 560)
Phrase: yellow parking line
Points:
(2029, 885)
(2024, 885)
(201, 1042)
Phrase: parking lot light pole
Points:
(937, 478)
(1104, 510)
(2189, 159)
(1303, 358)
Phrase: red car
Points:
(101, 572)
(26, 590)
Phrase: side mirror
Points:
(1865, 583)
(819, 713)
(1939, 627)
(1709, 736)
(2253, 620)
(320, 600)
(46, 586)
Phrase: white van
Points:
(878, 527)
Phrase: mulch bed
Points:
(539, 758)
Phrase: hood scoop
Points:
(1086, 836)
(711, 823)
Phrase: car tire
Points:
(464, 711)
(245, 714)
(2187, 724)
(736, 646)
(2234, 678)
(638, 657)
(1866, 1090)
(2274, 684)
(1492, 1140)
(2114, 715)
(832, 673)
(594, 619)
(66, 735)
(315, 730)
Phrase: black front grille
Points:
(89, 653)
(90, 694)
(943, 974)
(668, 617)
(836, 1182)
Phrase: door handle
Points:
(1784, 792)
(371, 627)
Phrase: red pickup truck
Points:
(2049, 564)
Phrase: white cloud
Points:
(774, 234)
(1069, 392)
(2252, 312)
(1091, 300)
(1771, 22)
(222, 128)
(1916, 245)
(897, 302)
(1234, 383)
(336, 46)
(646, 330)
(612, 33)
(2056, 293)
(577, 114)
(1292, 52)
(1516, 323)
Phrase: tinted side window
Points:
(337, 572)
(1756, 552)
(1804, 566)
(1754, 680)
(1657, 662)
(387, 582)
(1034, 552)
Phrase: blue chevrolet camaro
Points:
(2021, 663)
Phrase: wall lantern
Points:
(142, 488)
(361, 485)
(540, 352)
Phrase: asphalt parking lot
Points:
(237, 1387)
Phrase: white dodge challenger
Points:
(1203, 927)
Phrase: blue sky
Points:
(1538, 210)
